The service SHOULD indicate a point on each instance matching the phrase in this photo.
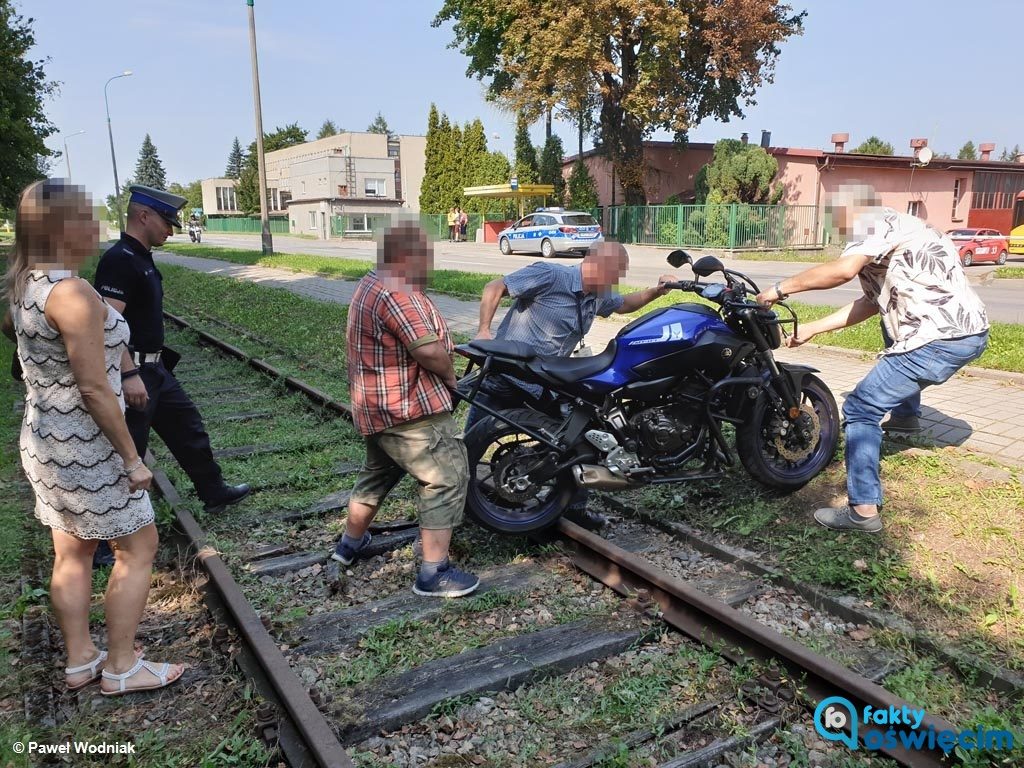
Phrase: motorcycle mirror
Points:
(707, 265)
(678, 258)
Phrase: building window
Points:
(376, 187)
(302, 187)
(958, 190)
(357, 222)
(995, 190)
(914, 208)
(226, 199)
(312, 219)
(284, 197)
(393, 149)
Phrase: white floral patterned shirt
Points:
(916, 279)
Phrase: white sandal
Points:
(161, 673)
(92, 667)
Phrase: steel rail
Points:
(725, 630)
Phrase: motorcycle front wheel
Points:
(776, 454)
(500, 496)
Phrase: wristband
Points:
(128, 374)
(778, 291)
(137, 464)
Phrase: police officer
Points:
(130, 282)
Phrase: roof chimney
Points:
(986, 151)
(744, 138)
(766, 139)
(840, 139)
(918, 143)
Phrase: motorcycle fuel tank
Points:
(655, 335)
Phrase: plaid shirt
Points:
(388, 387)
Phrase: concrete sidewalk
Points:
(979, 409)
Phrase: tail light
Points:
(599, 229)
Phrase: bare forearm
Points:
(853, 313)
(435, 359)
(489, 302)
(631, 302)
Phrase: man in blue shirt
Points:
(555, 306)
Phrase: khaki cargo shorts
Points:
(432, 451)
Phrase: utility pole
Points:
(113, 158)
(67, 155)
(268, 242)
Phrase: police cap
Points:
(164, 203)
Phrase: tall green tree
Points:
(193, 192)
(430, 198)
(113, 200)
(654, 64)
(581, 189)
(473, 155)
(874, 146)
(967, 152)
(1010, 155)
(248, 190)
(551, 167)
(379, 125)
(739, 173)
(149, 171)
(23, 123)
(454, 166)
(236, 159)
(327, 129)
(526, 156)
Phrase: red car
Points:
(980, 245)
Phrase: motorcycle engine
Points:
(665, 428)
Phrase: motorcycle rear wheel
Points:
(758, 444)
(498, 451)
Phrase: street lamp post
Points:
(67, 155)
(268, 242)
(113, 159)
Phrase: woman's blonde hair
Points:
(43, 209)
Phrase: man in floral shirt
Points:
(911, 275)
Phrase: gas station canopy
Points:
(518, 192)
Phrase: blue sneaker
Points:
(447, 582)
(347, 553)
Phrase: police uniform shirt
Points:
(126, 272)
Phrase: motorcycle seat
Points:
(515, 350)
(571, 369)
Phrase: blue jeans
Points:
(912, 405)
(894, 380)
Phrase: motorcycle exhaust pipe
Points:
(597, 477)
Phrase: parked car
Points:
(551, 231)
(980, 245)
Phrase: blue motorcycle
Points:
(657, 406)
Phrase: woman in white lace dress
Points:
(89, 481)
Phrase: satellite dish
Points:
(924, 156)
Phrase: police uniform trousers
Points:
(175, 418)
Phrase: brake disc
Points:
(510, 484)
(795, 447)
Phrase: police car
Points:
(551, 231)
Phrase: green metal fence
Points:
(278, 226)
(714, 226)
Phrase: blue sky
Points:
(896, 68)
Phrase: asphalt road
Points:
(1004, 299)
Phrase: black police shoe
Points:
(229, 494)
(585, 518)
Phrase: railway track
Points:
(350, 657)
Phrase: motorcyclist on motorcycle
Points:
(195, 230)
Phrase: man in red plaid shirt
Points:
(400, 371)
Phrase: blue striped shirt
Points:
(545, 311)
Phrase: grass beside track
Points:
(1013, 273)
